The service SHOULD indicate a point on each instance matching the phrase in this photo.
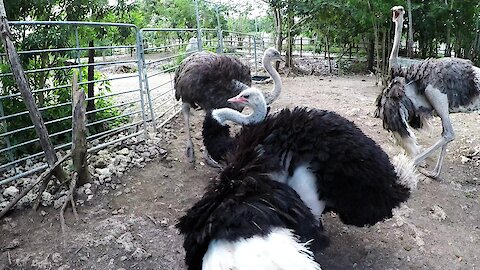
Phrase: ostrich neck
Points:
(226, 114)
(277, 82)
(393, 61)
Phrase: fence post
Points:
(199, 30)
(141, 77)
(255, 54)
(77, 44)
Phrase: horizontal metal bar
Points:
(23, 174)
(73, 66)
(113, 94)
(113, 106)
(167, 29)
(169, 118)
(40, 109)
(112, 118)
(114, 130)
(32, 126)
(166, 46)
(71, 23)
(162, 103)
(100, 146)
(69, 85)
(156, 73)
(73, 49)
(160, 85)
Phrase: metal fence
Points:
(133, 83)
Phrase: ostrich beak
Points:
(238, 100)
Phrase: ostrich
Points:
(207, 80)
(440, 86)
(245, 220)
(327, 159)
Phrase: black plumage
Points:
(245, 202)
(353, 174)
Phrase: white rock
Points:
(106, 172)
(124, 151)
(47, 198)
(56, 257)
(89, 197)
(11, 191)
(88, 191)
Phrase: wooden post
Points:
(27, 96)
(79, 132)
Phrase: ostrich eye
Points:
(246, 96)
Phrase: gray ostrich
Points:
(207, 80)
(440, 86)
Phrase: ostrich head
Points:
(271, 54)
(397, 13)
(251, 98)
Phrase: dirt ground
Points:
(132, 226)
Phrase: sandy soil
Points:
(132, 226)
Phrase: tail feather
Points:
(280, 249)
(406, 172)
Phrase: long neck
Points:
(226, 114)
(393, 61)
(277, 81)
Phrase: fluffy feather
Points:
(278, 250)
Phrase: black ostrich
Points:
(327, 159)
(440, 86)
(246, 220)
(207, 80)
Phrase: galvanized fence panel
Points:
(120, 110)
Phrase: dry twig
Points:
(70, 199)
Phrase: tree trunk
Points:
(288, 54)
(278, 31)
(79, 133)
(91, 85)
(370, 54)
(27, 96)
(410, 30)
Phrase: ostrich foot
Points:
(190, 153)
(432, 174)
(210, 161)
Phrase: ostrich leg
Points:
(190, 153)
(439, 102)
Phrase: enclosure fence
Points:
(129, 83)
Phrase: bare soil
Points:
(132, 226)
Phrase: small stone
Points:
(127, 190)
(101, 162)
(64, 267)
(56, 258)
(88, 191)
(464, 159)
(124, 151)
(141, 254)
(123, 258)
(47, 198)
(164, 222)
(43, 213)
(11, 192)
(89, 197)
(14, 244)
(438, 213)
(105, 172)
